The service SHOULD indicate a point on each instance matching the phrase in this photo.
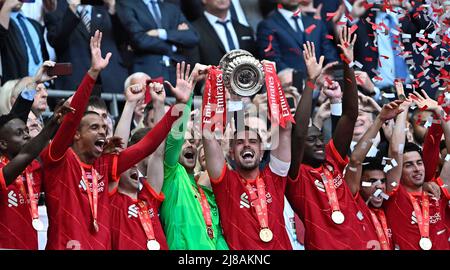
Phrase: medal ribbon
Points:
(29, 179)
(279, 110)
(328, 182)
(205, 209)
(146, 222)
(214, 111)
(259, 202)
(33, 201)
(422, 215)
(380, 228)
(92, 196)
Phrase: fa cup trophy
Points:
(243, 74)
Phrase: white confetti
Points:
(402, 146)
(387, 168)
(394, 163)
(447, 157)
(366, 184)
(384, 196)
(377, 192)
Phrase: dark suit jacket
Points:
(367, 53)
(71, 40)
(287, 45)
(14, 50)
(210, 49)
(148, 51)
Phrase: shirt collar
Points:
(213, 19)
(287, 14)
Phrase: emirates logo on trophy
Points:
(243, 74)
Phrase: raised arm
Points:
(32, 149)
(156, 136)
(354, 169)
(64, 136)
(304, 109)
(155, 164)
(133, 94)
(5, 12)
(425, 101)
(343, 134)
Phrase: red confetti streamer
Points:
(310, 29)
(269, 47)
(329, 37)
(330, 15)
(353, 28)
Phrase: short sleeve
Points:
(334, 154)
(279, 167)
(222, 175)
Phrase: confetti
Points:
(377, 192)
(353, 169)
(269, 47)
(366, 184)
(310, 29)
(447, 157)
(387, 168)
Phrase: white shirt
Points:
(288, 17)
(240, 12)
(289, 221)
(220, 30)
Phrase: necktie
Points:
(298, 29)
(28, 38)
(401, 69)
(228, 33)
(156, 14)
(84, 15)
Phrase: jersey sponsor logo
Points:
(319, 185)
(433, 219)
(12, 199)
(101, 184)
(133, 211)
(244, 201)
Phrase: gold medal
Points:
(266, 235)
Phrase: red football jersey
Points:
(69, 214)
(238, 218)
(365, 210)
(127, 232)
(405, 231)
(307, 197)
(16, 230)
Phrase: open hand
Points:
(185, 84)
(347, 43)
(98, 62)
(424, 102)
(314, 68)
